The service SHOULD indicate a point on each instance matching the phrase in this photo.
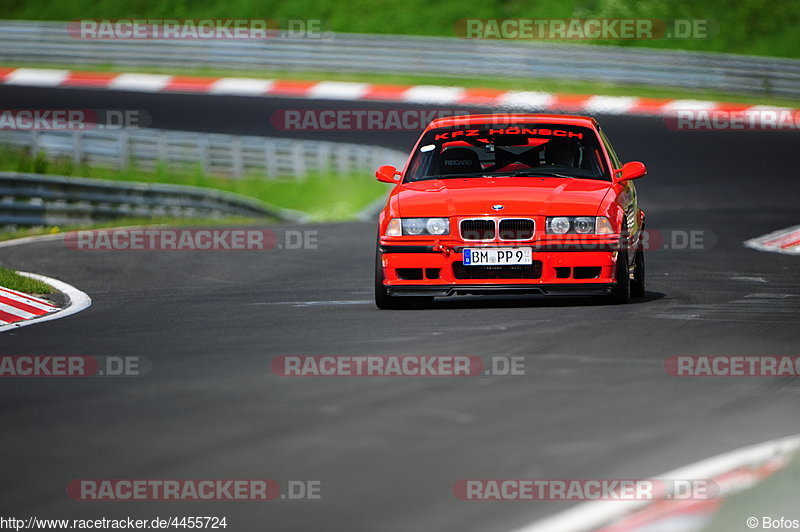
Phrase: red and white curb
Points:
(16, 306)
(694, 516)
(733, 471)
(18, 309)
(782, 241)
(342, 90)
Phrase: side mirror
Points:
(387, 174)
(631, 170)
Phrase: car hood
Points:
(524, 196)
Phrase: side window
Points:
(419, 166)
(611, 153)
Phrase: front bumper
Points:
(416, 268)
(573, 290)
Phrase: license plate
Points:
(497, 256)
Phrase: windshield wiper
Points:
(452, 176)
(521, 173)
(530, 173)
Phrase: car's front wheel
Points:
(621, 293)
(385, 301)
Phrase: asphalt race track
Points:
(595, 400)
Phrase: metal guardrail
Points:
(214, 154)
(39, 200)
(49, 42)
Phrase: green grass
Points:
(14, 281)
(525, 84)
(760, 27)
(323, 197)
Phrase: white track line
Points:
(692, 105)
(592, 515)
(30, 239)
(241, 86)
(614, 105)
(78, 301)
(529, 100)
(37, 77)
(140, 82)
(338, 90)
(432, 94)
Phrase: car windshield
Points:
(508, 150)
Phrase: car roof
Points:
(465, 120)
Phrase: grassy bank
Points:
(14, 281)
(757, 27)
(324, 197)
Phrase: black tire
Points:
(637, 284)
(386, 302)
(621, 293)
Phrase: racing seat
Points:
(459, 161)
(562, 153)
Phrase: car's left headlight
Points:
(418, 226)
(578, 225)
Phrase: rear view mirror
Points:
(387, 174)
(631, 170)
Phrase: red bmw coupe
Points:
(514, 203)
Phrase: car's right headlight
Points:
(578, 225)
(418, 226)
